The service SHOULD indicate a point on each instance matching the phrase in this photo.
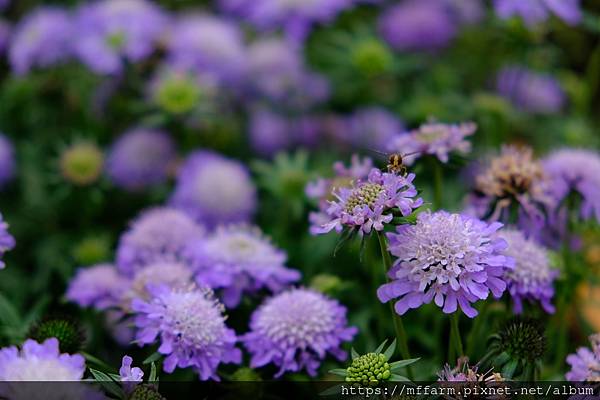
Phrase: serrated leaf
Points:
(152, 358)
(402, 363)
(339, 372)
(354, 354)
(380, 347)
(390, 350)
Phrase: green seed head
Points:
(67, 330)
(369, 370)
(523, 339)
(81, 164)
(146, 392)
(366, 194)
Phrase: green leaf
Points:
(339, 372)
(355, 355)
(108, 383)
(402, 363)
(332, 391)
(501, 359)
(8, 313)
(381, 346)
(152, 358)
(390, 350)
(96, 361)
(152, 377)
(509, 369)
(399, 378)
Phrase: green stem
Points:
(475, 332)
(438, 183)
(455, 340)
(398, 325)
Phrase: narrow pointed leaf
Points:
(381, 346)
(332, 391)
(152, 377)
(152, 358)
(355, 355)
(339, 372)
(399, 378)
(403, 363)
(390, 350)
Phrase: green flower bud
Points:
(91, 250)
(371, 57)
(67, 330)
(178, 93)
(81, 164)
(369, 370)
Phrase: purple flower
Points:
(207, 44)
(449, 258)
(43, 38)
(129, 374)
(271, 132)
(4, 4)
(369, 128)
(276, 72)
(532, 278)
(434, 138)
(40, 362)
(110, 32)
(191, 329)
(238, 260)
(322, 189)
(140, 158)
(5, 32)
(158, 235)
(536, 11)
(171, 274)
(295, 330)
(99, 286)
(214, 189)
(575, 171)
(585, 364)
(7, 241)
(369, 204)
(463, 372)
(418, 25)
(7, 160)
(295, 17)
(530, 91)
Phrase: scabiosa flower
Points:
(276, 72)
(530, 91)
(514, 180)
(450, 258)
(295, 17)
(322, 189)
(40, 362)
(191, 329)
(7, 160)
(158, 235)
(369, 204)
(296, 330)
(532, 278)
(207, 44)
(214, 189)
(178, 91)
(41, 39)
(7, 242)
(463, 372)
(575, 171)
(585, 363)
(239, 259)
(434, 138)
(536, 11)
(418, 25)
(99, 286)
(110, 32)
(172, 274)
(140, 158)
(371, 127)
(129, 374)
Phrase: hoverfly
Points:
(396, 161)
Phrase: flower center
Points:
(365, 195)
(369, 369)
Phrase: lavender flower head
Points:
(7, 160)
(5, 32)
(530, 91)
(7, 241)
(110, 32)
(99, 286)
(322, 189)
(532, 278)
(239, 259)
(191, 328)
(371, 203)
(129, 374)
(295, 330)
(449, 258)
(214, 189)
(585, 363)
(276, 71)
(536, 11)
(40, 362)
(418, 25)
(159, 234)
(140, 158)
(575, 171)
(43, 38)
(171, 274)
(463, 372)
(295, 17)
(372, 127)
(207, 44)
(434, 138)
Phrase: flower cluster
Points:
(449, 258)
(536, 11)
(585, 363)
(370, 203)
